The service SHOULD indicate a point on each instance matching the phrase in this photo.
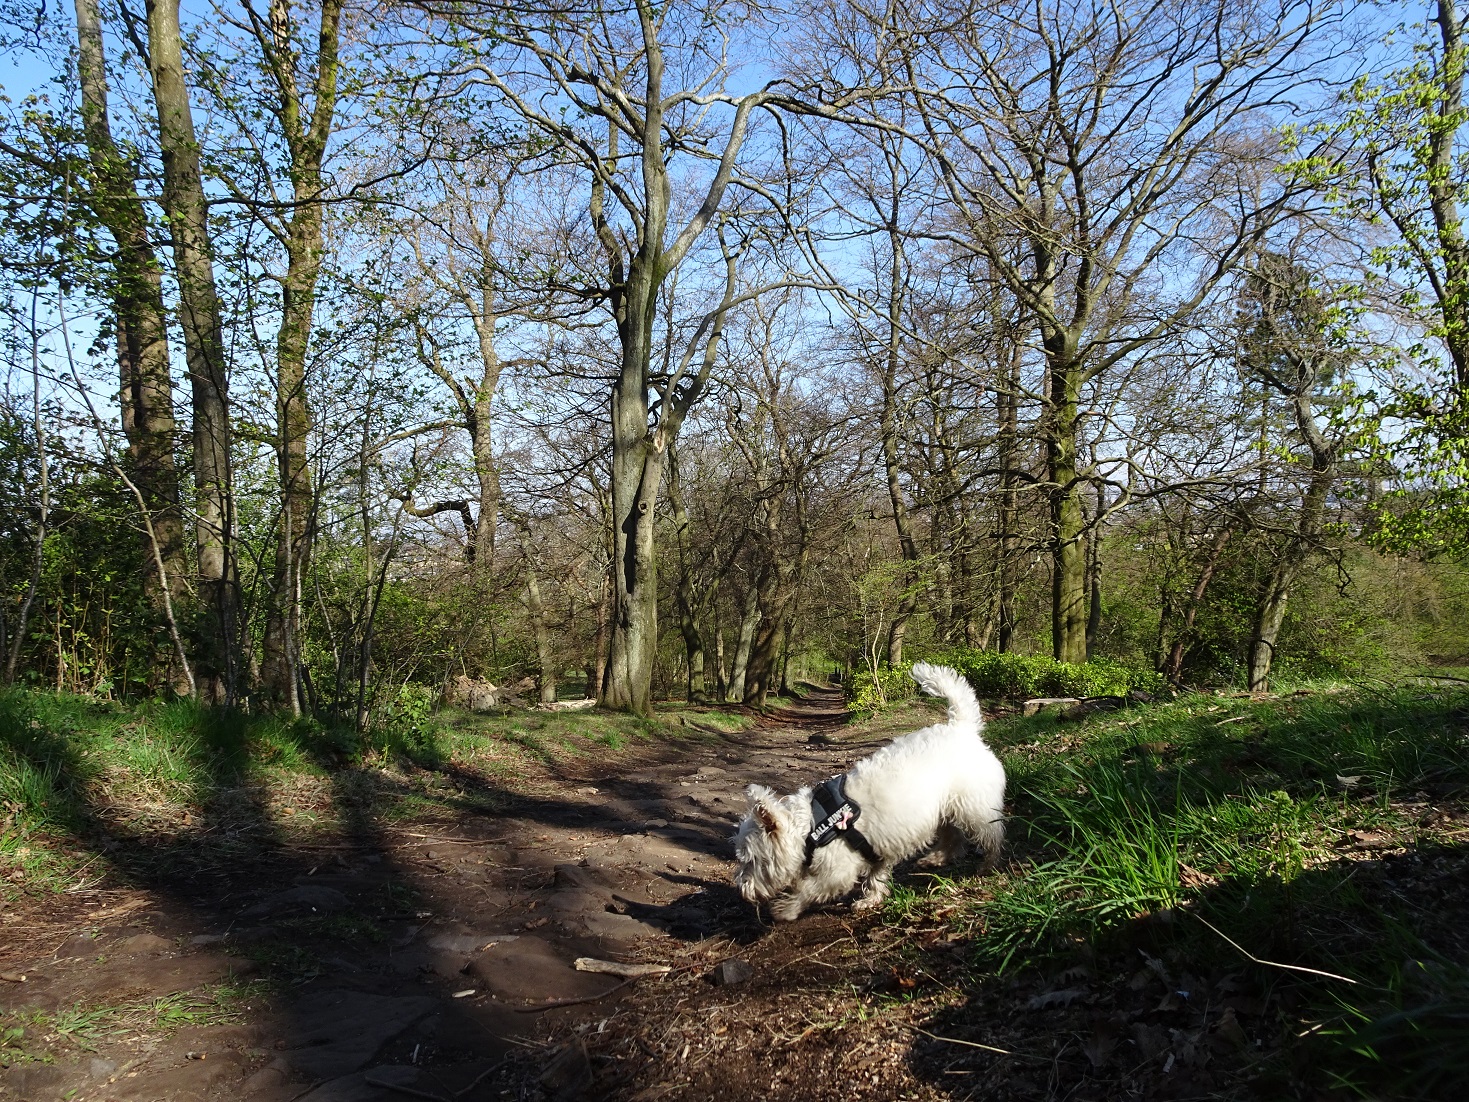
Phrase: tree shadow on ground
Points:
(340, 955)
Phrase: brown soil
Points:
(422, 959)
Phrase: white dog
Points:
(939, 787)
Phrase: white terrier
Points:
(940, 787)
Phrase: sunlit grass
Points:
(76, 772)
(43, 1036)
(1243, 815)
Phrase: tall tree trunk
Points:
(187, 212)
(689, 605)
(1270, 614)
(888, 425)
(596, 669)
(306, 135)
(146, 391)
(721, 678)
(486, 470)
(749, 621)
(1094, 574)
(637, 471)
(535, 606)
(1068, 525)
(1444, 194)
(762, 674)
(1007, 402)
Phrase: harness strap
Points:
(834, 815)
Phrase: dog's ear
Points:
(758, 793)
(761, 798)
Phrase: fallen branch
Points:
(401, 1088)
(617, 968)
(1271, 963)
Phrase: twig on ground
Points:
(556, 1004)
(453, 1097)
(481, 1077)
(976, 1044)
(402, 1088)
(1272, 963)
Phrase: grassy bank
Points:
(1324, 833)
(79, 774)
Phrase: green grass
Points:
(80, 777)
(39, 1036)
(1247, 815)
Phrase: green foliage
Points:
(91, 628)
(1006, 676)
(1013, 676)
(870, 691)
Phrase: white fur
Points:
(939, 787)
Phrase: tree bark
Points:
(535, 606)
(689, 605)
(749, 621)
(888, 427)
(598, 665)
(1270, 614)
(1068, 547)
(1007, 402)
(146, 390)
(186, 209)
(306, 137)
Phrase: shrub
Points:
(996, 675)
(868, 693)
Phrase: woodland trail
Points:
(423, 960)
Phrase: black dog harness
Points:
(834, 816)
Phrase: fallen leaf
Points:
(1230, 1029)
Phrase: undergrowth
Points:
(1307, 830)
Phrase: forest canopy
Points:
(356, 351)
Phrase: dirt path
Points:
(411, 961)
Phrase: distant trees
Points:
(678, 349)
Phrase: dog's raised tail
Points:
(949, 684)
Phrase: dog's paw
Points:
(868, 903)
(933, 859)
(785, 910)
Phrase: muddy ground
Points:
(435, 958)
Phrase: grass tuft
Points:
(1318, 830)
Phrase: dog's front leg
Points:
(879, 881)
(793, 904)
